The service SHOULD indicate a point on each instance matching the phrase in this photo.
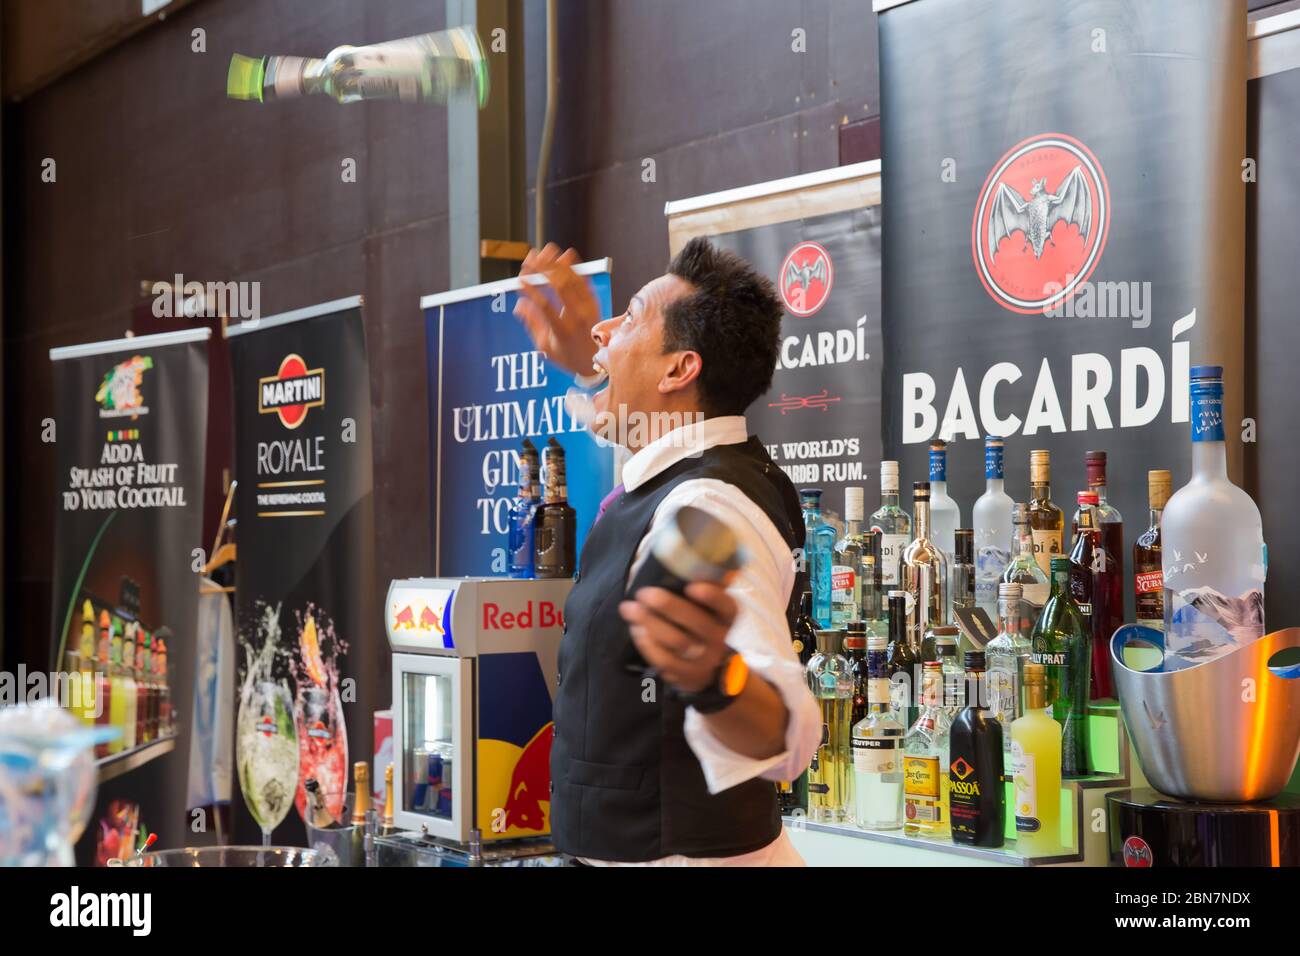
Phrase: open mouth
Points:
(599, 376)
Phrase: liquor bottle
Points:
(925, 763)
(1095, 578)
(855, 652)
(103, 682)
(81, 666)
(892, 525)
(361, 792)
(945, 516)
(555, 522)
(832, 685)
(117, 689)
(419, 69)
(954, 677)
(993, 529)
(164, 691)
(130, 688)
(1110, 523)
(1148, 576)
(805, 631)
(1213, 556)
(386, 821)
(819, 554)
(1061, 643)
(1025, 570)
(925, 571)
(878, 750)
(963, 569)
(903, 658)
(1007, 655)
(976, 795)
(141, 687)
(1046, 521)
(846, 567)
(318, 814)
(522, 512)
(1036, 769)
(873, 594)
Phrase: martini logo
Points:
(1137, 853)
(806, 279)
(119, 393)
(1041, 223)
(291, 391)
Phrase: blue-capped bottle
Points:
(993, 529)
(1213, 554)
(819, 554)
(945, 516)
(520, 543)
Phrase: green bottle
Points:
(1062, 643)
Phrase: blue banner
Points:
(489, 390)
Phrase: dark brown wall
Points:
(158, 174)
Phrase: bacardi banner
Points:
(818, 238)
(311, 647)
(1063, 233)
(489, 389)
(129, 431)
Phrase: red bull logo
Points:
(530, 784)
(534, 614)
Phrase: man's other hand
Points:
(684, 640)
(563, 332)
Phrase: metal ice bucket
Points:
(1197, 732)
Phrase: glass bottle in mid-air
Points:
(1148, 576)
(1025, 570)
(421, 69)
(1062, 643)
(925, 763)
(1213, 554)
(993, 530)
(924, 571)
(945, 515)
(892, 524)
(847, 564)
(555, 522)
(878, 750)
(831, 683)
(819, 553)
(1046, 521)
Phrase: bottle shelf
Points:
(1003, 856)
(115, 765)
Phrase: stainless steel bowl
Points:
(235, 856)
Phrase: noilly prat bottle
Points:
(1062, 643)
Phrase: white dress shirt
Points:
(760, 634)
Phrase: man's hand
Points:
(685, 641)
(563, 333)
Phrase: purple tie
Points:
(608, 500)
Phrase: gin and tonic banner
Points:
(820, 420)
(1063, 233)
(310, 644)
(131, 419)
(489, 389)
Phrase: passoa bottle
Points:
(1148, 575)
(1062, 644)
(993, 529)
(976, 796)
(1036, 769)
(893, 526)
(1213, 554)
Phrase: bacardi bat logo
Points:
(292, 390)
(1041, 223)
(806, 278)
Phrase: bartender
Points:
(678, 769)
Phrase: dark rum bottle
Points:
(903, 658)
(1148, 576)
(977, 798)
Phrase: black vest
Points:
(626, 785)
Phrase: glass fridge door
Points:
(434, 741)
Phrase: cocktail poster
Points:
(310, 649)
(129, 432)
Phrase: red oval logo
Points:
(1041, 223)
(1137, 853)
(806, 277)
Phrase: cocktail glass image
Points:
(266, 744)
(322, 748)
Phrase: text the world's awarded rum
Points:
(892, 524)
(878, 750)
(1062, 643)
(1046, 521)
(925, 763)
(831, 682)
(1213, 553)
(1148, 577)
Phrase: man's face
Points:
(630, 348)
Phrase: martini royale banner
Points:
(131, 419)
(1063, 234)
(309, 641)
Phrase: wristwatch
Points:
(729, 680)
